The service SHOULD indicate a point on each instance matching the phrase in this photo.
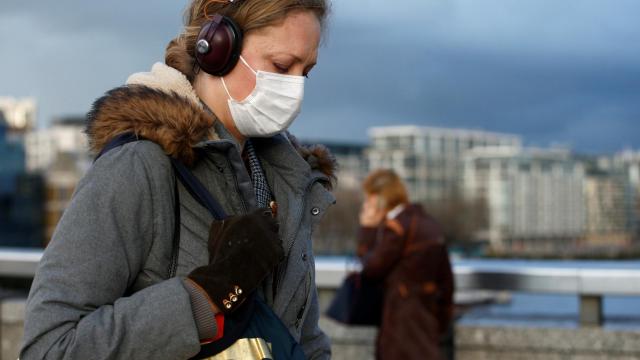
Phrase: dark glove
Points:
(243, 250)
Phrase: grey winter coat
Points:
(102, 289)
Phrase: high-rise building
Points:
(12, 161)
(20, 194)
(625, 166)
(352, 163)
(64, 137)
(535, 197)
(61, 154)
(429, 159)
(20, 114)
(609, 203)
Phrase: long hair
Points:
(387, 184)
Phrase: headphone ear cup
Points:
(218, 45)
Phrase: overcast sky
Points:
(553, 71)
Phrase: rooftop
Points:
(413, 130)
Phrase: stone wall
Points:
(502, 343)
(472, 342)
(11, 327)
(497, 343)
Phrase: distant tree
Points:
(461, 218)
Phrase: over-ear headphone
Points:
(218, 45)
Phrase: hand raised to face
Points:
(373, 211)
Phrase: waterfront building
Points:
(19, 114)
(20, 194)
(24, 227)
(352, 163)
(61, 179)
(609, 203)
(61, 154)
(626, 166)
(534, 197)
(12, 160)
(429, 159)
(65, 137)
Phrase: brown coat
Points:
(408, 253)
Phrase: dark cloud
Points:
(565, 72)
(126, 19)
(68, 53)
(517, 70)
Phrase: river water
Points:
(548, 310)
(537, 309)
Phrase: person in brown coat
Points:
(401, 245)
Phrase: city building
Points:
(625, 167)
(12, 159)
(609, 202)
(61, 179)
(535, 197)
(65, 137)
(429, 159)
(61, 154)
(352, 163)
(20, 194)
(19, 114)
(23, 227)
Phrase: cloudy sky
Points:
(554, 71)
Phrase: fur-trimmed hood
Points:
(163, 107)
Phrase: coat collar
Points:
(162, 106)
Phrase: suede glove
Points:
(243, 250)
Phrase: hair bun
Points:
(178, 56)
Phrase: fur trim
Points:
(160, 105)
(166, 79)
(319, 158)
(167, 119)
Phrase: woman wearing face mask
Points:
(114, 283)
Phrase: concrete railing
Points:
(19, 263)
(589, 284)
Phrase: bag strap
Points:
(117, 142)
(197, 190)
(173, 265)
(188, 180)
(236, 324)
(194, 186)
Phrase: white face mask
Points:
(272, 105)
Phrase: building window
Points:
(411, 162)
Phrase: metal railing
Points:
(589, 284)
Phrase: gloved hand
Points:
(243, 250)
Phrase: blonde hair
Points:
(248, 14)
(387, 184)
